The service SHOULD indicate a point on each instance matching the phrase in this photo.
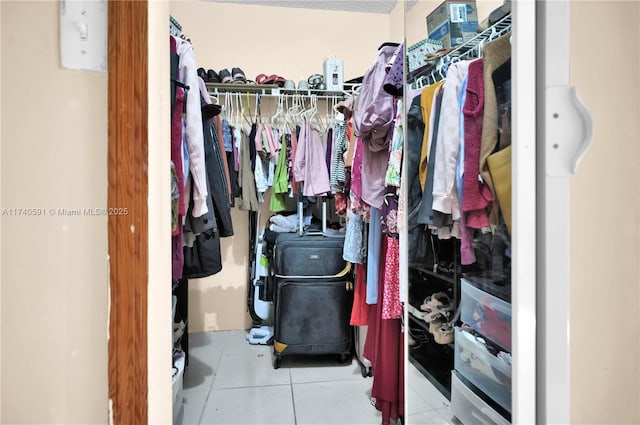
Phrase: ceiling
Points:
(366, 6)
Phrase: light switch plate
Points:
(83, 34)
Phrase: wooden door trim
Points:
(128, 188)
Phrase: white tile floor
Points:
(230, 381)
(425, 404)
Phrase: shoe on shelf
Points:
(435, 305)
(225, 76)
(202, 73)
(261, 79)
(213, 76)
(238, 75)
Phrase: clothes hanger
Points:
(301, 109)
(493, 34)
(229, 108)
(238, 102)
(245, 119)
(439, 67)
(225, 109)
(287, 117)
(290, 112)
(277, 120)
(388, 43)
(480, 47)
(314, 116)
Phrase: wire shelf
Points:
(468, 50)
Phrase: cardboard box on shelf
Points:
(417, 53)
(453, 22)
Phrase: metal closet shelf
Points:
(272, 90)
(468, 50)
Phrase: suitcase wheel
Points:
(365, 371)
(276, 362)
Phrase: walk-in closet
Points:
(297, 128)
(349, 144)
(98, 326)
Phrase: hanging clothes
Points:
(373, 117)
(354, 248)
(391, 305)
(467, 255)
(445, 198)
(384, 347)
(193, 127)
(495, 53)
(425, 213)
(281, 181)
(374, 256)
(338, 174)
(360, 310)
(426, 103)
(249, 197)
(176, 150)
(415, 132)
(310, 165)
(216, 175)
(394, 166)
(477, 196)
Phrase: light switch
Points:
(83, 34)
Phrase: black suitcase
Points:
(313, 297)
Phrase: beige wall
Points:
(605, 216)
(160, 340)
(54, 268)
(0, 219)
(396, 22)
(289, 42)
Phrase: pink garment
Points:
(193, 129)
(373, 108)
(374, 174)
(358, 206)
(476, 197)
(309, 164)
(467, 254)
(274, 146)
(356, 170)
(294, 149)
(258, 139)
(176, 150)
(391, 306)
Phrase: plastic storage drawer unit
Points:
(469, 408)
(178, 384)
(488, 315)
(478, 365)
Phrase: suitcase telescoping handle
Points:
(301, 212)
